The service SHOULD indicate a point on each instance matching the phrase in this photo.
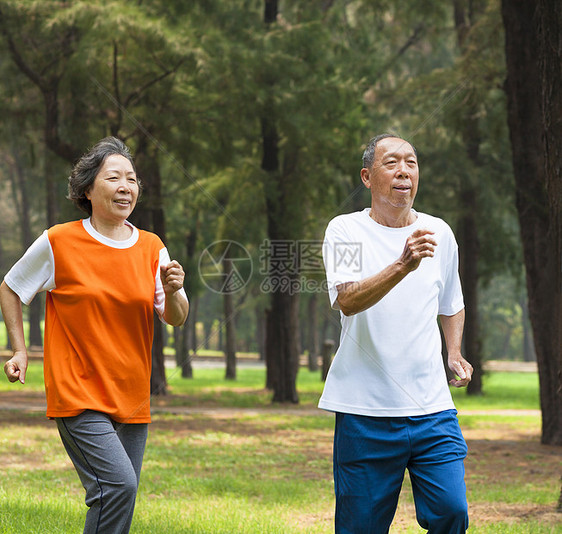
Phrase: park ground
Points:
(512, 479)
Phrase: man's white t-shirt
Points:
(389, 360)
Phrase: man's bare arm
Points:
(453, 326)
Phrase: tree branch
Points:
(135, 95)
(116, 125)
(17, 57)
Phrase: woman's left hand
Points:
(172, 277)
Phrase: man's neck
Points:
(396, 219)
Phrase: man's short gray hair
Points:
(369, 153)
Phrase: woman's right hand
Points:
(16, 367)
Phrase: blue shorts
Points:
(371, 455)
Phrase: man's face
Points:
(393, 178)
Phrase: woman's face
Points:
(115, 190)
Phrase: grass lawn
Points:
(222, 459)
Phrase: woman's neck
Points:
(117, 231)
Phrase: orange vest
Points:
(99, 325)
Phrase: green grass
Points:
(209, 386)
(502, 391)
(268, 471)
(254, 474)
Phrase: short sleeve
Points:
(34, 271)
(451, 298)
(342, 258)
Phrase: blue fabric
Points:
(371, 455)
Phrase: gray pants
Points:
(108, 458)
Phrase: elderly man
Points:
(391, 272)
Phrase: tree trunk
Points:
(468, 225)
(51, 189)
(327, 351)
(534, 98)
(192, 322)
(260, 332)
(158, 384)
(282, 347)
(181, 349)
(149, 215)
(66, 151)
(550, 16)
(207, 332)
(183, 358)
(313, 342)
(35, 310)
(187, 339)
(270, 11)
(282, 355)
(469, 252)
(178, 342)
(230, 329)
(528, 345)
(186, 367)
(21, 198)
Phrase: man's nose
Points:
(402, 169)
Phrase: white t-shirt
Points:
(35, 270)
(389, 360)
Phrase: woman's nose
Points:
(124, 186)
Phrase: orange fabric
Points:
(99, 325)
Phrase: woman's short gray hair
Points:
(84, 173)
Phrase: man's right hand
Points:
(419, 245)
(16, 367)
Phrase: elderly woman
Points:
(103, 277)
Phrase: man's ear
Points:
(366, 177)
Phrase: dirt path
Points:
(33, 402)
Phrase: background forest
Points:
(247, 119)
